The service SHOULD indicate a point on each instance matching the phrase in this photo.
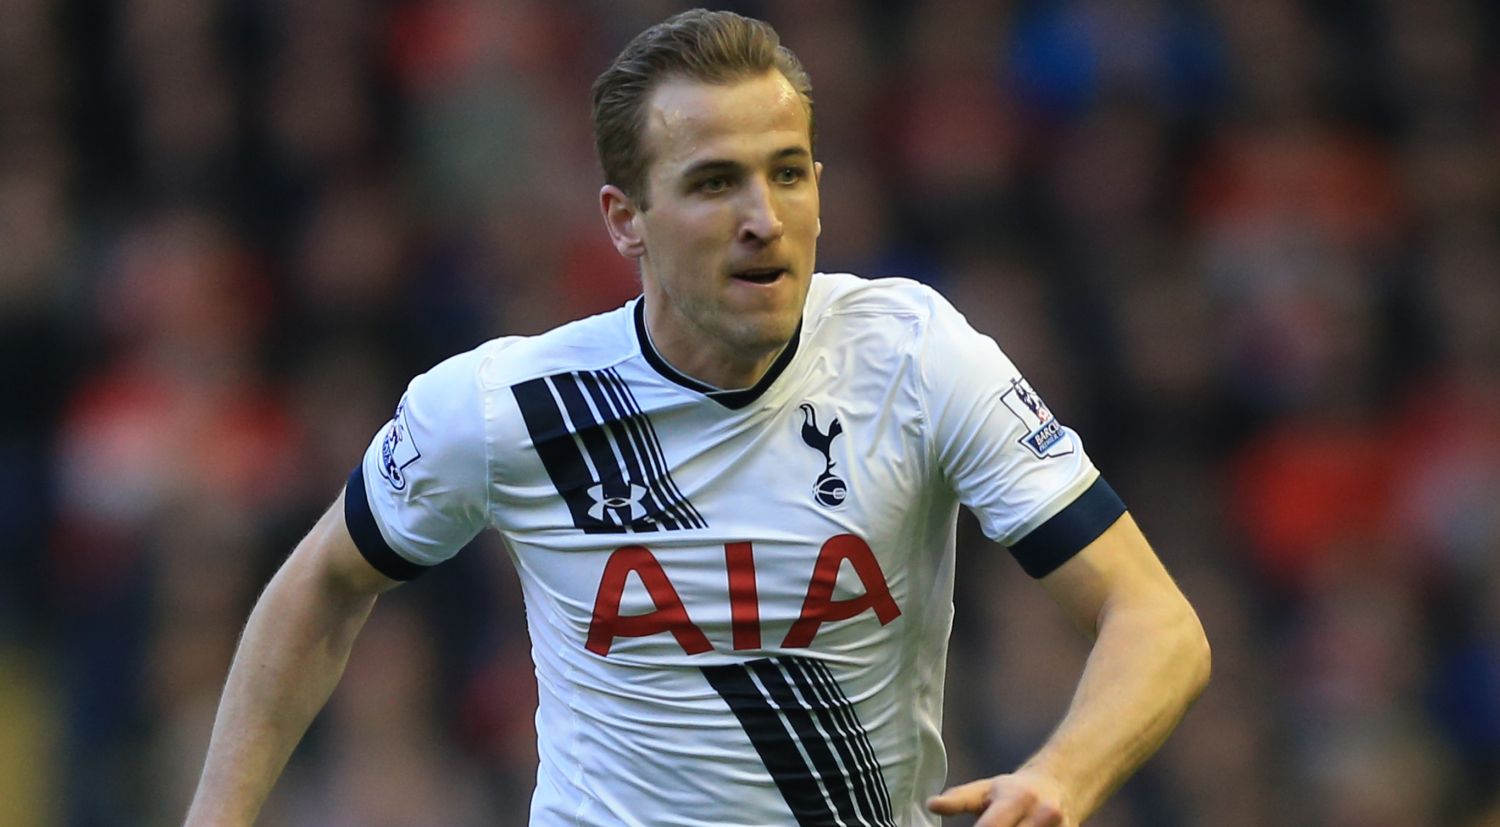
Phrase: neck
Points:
(698, 355)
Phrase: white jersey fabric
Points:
(739, 601)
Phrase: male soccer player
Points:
(732, 505)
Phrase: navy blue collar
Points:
(733, 399)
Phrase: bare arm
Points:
(289, 659)
(1149, 661)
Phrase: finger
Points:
(1043, 815)
(1023, 810)
(972, 797)
(1004, 813)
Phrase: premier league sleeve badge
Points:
(397, 450)
(1044, 436)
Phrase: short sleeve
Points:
(1022, 472)
(421, 492)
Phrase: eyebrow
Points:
(720, 165)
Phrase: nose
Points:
(760, 220)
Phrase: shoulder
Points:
(461, 387)
(848, 294)
(461, 413)
(593, 343)
(901, 307)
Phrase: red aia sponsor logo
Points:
(670, 615)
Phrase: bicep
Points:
(997, 444)
(1117, 569)
(329, 557)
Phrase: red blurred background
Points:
(1248, 249)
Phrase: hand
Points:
(1024, 798)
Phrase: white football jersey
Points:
(739, 601)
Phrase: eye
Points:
(790, 175)
(716, 184)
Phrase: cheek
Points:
(806, 216)
(803, 203)
(683, 244)
(690, 227)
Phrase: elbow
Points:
(1186, 657)
(1197, 653)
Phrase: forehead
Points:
(689, 120)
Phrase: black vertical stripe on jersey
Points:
(590, 434)
(650, 448)
(574, 443)
(862, 742)
(654, 451)
(590, 431)
(852, 741)
(773, 742)
(559, 452)
(644, 435)
(814, 743)
(856, 765)
(659, 505)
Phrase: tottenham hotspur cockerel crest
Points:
(830, 491)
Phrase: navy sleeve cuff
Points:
(367, 536)
(1069, 531)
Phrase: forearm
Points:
(1147, 666)
(290, 657)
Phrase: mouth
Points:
(760, 275)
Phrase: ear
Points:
(818, 179)
(622, 220)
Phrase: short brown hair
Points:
(699, 45)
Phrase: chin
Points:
(769, 334)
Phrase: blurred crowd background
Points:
(1248, 248)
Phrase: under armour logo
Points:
(621, 505)
(829, 490)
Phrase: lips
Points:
(760, 275)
